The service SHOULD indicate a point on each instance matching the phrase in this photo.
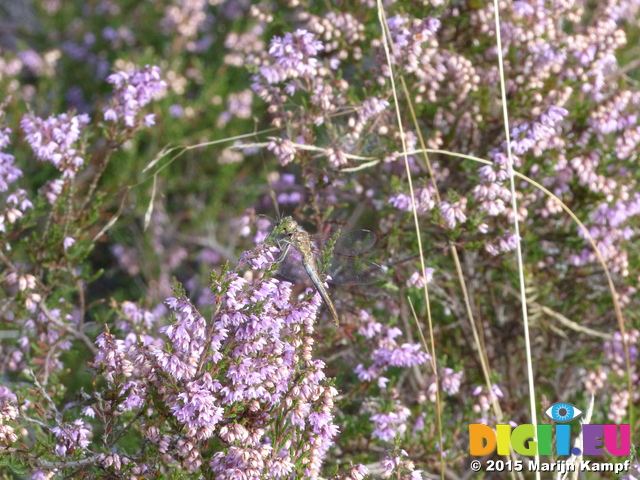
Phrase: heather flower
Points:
(8, 412)
(32, 61)
(68, 242)
(610, 229)
(615, 357)
(176, 110)
(386, 352)
(336, 158)
(419, 281)
(450, 382)
(484, 401)
(295, 56)
(243, 46)
(356, 472)
(540, 135)
(634, 472)
(71, 436)
(52, 190)
(253, 355)
(618, 406)
(453, 214)
(136, 317)
(54, 140)
(424, 198)
(389, 424)
(16, 205)
(370, 108)
(7, 395)
(595, 380)
(238, 105)
(615, 354)
(185, 18)
(8, 172)
(283, 149)
(132, 91)
(398, 465)
(111, 358)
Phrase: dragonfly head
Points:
(288, 226)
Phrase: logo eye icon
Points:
(563, 412)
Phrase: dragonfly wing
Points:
(354, 271)
(347, 267)
(355, 242)
(291, 268)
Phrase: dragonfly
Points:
(299, 248)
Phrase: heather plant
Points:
(145, 330)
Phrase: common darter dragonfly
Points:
(302, 253)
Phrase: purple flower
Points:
(450, 381)
(424, 198)
(68, 242)
(132, 91)
(53, 140)
(8, 173)
(176, 110)
(17, 203)
(388, 425)
(386, 351)
(419, 281)
(283, 149)
(294, 55)
(371, 108)
(71, 436)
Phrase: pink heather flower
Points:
(388, 425)
(52, 190)
(371, 108)
(497, 391)
(453, 213)
(424, 200)
(398, 465)
(19, 200)
(284, 149)
(68, 242)
(8, 173)
(134, 315)
(71, 436)
(634, 472)
(185, 19)
(419, 281)
(386, 351)
(615, 354)
(132, 91)
(176, 110)
(450, 381)
(238, 105)
(54, 140)
(7, 395)
(336, 157)
(16, 204)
